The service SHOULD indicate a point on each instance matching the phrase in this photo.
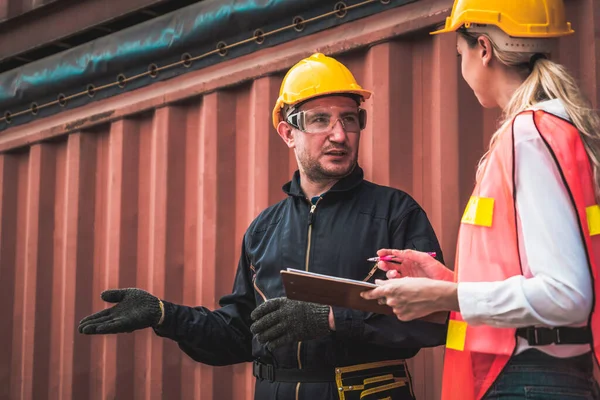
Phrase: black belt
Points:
(561, 335)
(269, 373)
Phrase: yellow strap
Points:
(593, 219)
(370, 381)
(479, 211)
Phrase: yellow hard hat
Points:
(517, 18)
(317, 75)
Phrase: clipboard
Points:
(329, 290)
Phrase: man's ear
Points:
(486, 50)
(286, 132)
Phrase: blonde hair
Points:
(547, 80)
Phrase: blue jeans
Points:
(536, 375)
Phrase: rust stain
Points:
(88, 120)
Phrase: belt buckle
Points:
(270, 373)
(543, 336)
(264, 371)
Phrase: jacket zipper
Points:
(311, 216)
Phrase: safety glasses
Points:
(323, 119)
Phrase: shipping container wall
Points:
(14, 8)
(154, 189)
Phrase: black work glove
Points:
(281, 320)
(136, 309)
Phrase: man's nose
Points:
(338, 134)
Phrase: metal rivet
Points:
(91, 90)
(62, 100)
(222, 47)
(298, 24)
(340, 8)
(341, 389)
(153, 70)
(121, 79)
(349, 387)
(259, 36)
(187, 59)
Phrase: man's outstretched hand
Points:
(135, 309)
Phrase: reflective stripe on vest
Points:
(479, 211)
(593, 219)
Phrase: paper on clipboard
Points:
(330, 290)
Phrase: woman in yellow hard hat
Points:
(523, 299)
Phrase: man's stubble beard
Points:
(316, 173)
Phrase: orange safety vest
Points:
(488, 249)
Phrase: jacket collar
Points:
(292, 188)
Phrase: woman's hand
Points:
(413, 298)
(415, 264)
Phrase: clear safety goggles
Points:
(323, 119)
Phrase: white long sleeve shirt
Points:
(556, 290)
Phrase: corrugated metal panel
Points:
(149, 187)
(14, 8)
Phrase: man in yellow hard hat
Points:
(331, 222)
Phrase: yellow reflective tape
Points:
(593, 219)
(479, 211)
(457, 334)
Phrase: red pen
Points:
(391, 258)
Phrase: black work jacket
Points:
(349, 223)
